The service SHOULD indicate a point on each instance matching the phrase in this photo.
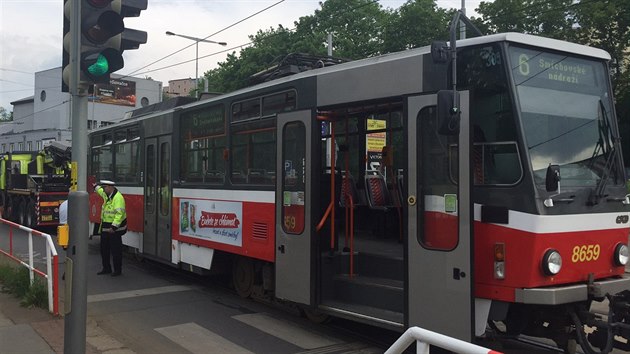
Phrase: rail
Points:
(425, 338)
(52, 262)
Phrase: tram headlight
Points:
(552, 262)
(621, 254)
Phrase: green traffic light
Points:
(100, 67)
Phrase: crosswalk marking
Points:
(199, 340)
(287, 331)
(137, 293)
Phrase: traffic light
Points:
(103, 38)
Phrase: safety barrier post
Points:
(52, 263)
(425, 338)
(30, 257)
(11, 240)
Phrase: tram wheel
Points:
(316, 316)
(243, 276)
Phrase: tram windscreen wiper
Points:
(608, 150)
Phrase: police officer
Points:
(113, 226)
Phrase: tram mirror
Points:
(440, 52)
(448, 112)
(552, 179)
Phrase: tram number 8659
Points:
(585, 253)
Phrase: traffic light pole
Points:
(76, 256)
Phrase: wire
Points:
(221, 30)
(338, 13)
(19, 121)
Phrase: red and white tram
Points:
(347, 190)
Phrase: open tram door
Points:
(294, 244)
(439, 242)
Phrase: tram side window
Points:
(481, 70)
(203, 142)
(102, 163)
(253, 157)
(281, 102)
(127, 147)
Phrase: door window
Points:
(294, 177)
(438, 219)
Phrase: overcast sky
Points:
(31, 31)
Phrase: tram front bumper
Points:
(572, 293)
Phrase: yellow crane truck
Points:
(34, 184)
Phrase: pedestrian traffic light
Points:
(103, 38)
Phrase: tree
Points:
(5, 115)
(416, 23)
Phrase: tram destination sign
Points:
(203, 123)
(538, 68)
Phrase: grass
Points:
(16, 281)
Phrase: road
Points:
(152, 308)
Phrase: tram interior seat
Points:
(238, 177)
(376, 191)
(256, 176)
(348, 186)
(194, 177)
(271, 176)
(400, 187)
(214, 176)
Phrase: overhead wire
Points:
(213, 34)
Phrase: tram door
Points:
(157, 198)
(439, 241)
(293, 208)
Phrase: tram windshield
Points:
(566, 113)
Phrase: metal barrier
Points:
(52, 262)
(425, 338)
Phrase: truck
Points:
(33, 184)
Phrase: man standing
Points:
(113, 226)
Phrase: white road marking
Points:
(199, 340)
(287, 331)
(137, 293)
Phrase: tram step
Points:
(363, 313)
(382, 293)
(380, 266)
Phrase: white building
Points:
(45, 116)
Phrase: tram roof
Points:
(519, 38)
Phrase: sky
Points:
(31, 31)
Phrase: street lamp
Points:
(197, 40)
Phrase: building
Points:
(45, 116)
(179, 87)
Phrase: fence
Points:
(52, 262)
(425, 338)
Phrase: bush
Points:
(16, 281)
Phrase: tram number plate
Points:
(585, 253)
(47, 217)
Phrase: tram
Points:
(371, 190)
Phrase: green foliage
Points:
(360, 29)
(416, 23)
(5, 115)
(16, 281)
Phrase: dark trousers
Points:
(111, 244)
